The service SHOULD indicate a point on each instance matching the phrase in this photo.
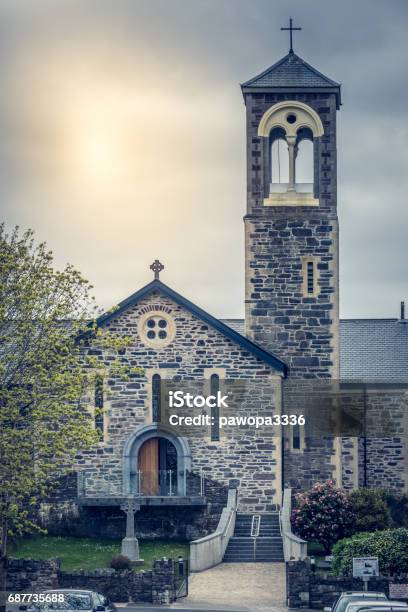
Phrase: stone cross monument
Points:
(130, 544)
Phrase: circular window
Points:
(156, 329)
(291, 118)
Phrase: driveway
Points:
(254, 587)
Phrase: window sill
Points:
(291, 198)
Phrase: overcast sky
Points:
(122, 137)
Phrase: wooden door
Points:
(149, 467)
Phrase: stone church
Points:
(291, 334)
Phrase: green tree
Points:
(398, 507)
(44, 377)
(323, 514)
(370, 509)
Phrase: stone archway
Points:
(131, 457)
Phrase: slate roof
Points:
(373, 350)
(291, 72)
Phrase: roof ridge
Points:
(316, 71)
(264, 72)
(371, 319)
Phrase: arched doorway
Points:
(155, 462)
(157, 468)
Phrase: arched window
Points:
(304, 161)
(279, 157)
(215, 411)
(99, 401)
(156, 398)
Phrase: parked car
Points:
(363, 606)
(392, 607)
(71, 600)
(346, 597)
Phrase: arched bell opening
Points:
(279, 160)
(304, 164)
(291, 133)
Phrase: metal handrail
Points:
(255, 525)
(163, 480)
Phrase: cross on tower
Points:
(291, 29)
(157, 267)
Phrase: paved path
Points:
(255, 587)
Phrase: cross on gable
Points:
(291, 29)
(157, 267)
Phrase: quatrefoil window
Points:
(156, 329)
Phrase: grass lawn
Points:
(89, 554)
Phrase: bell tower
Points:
(291, 226)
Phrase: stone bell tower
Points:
(291, 226)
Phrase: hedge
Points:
(390, 546)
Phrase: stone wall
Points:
(306, 589)
(196, 350)
(298, 584)
(314, 463)
(157, 586)
(383, 463)
(30, 575)
(151, 522)
(300, 329)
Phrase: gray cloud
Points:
(173, 69)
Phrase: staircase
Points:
(256, 538)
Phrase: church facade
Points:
(291, 333)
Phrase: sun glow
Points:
(98, 142)
(90, 123)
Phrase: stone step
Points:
(267, 518)
(250, 552)
(263, 532)
(267, 547)
(259, 539)
(249, 557)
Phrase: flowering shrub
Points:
(323, 514)
(390, 546)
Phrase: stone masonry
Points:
(303, 330)
(157, 586)
(241, 459)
